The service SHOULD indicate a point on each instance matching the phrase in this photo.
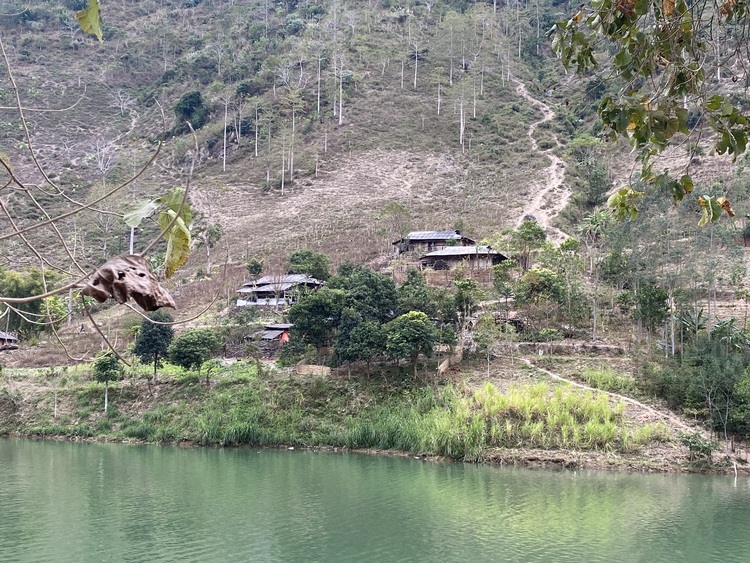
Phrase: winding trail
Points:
(658, 414)
(552, 195)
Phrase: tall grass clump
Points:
(607, 379)
(539, 417)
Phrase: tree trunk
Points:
(224, 149)
(341, 96)
(106, 396)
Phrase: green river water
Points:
(62, 501)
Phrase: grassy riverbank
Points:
(452, 419)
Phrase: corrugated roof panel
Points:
(462, 251)
(271, 334)
(433, 235)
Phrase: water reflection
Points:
(86, 502)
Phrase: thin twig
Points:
(106, 340)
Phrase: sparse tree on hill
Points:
(486, 335)
(154, 339)
(107, 368)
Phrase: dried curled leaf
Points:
(725, 205)
(128, 276)
(728, 7)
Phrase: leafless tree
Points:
(122, 100)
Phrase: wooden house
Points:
(274, 291)
(475, 257)
(8, 341)
(428, 241)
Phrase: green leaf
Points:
(687, 183)
(135, 218)
(714, 102)
(178, 242)
(178, 235)
(90, 19)
(711, 209)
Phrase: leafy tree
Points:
(466, 298)
(107, 368)
(527, 238)
(415, 295)
(486, 335)
(254, 267)
(191, 107)
(651, 301)
(502, 279)
(371, 294)
(366, 342)
(154, 339)
(32, 316)
(348, 321)
(317, 314)
(408, 336)
(671, 58)
(540, 284)
(292, 351)
(193, 347)
(358, 339)
(309, 262)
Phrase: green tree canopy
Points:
(371, 294)
(153, 340)
(527, 238)
(415, 295)
(31, 317)
(254, 267)
(651, 300)
(408, 336)
(317, 314)
(191, 107)
(193, 347)
(106, 368)
(309, 262)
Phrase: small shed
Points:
(427, 241)
(272, 337)
(8, 341)
(278, 332)
(477, 257)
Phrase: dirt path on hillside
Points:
(659, 415)
(675, 423)
(552, 195)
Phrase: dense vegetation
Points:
(282, 97)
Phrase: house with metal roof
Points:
(428, 241)
(476, 257)
(274, 291)
(8, 341)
